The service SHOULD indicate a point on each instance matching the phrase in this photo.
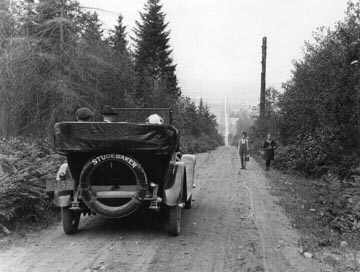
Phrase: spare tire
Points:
(89, 196)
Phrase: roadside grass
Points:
(304, 202)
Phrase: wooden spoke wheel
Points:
(174, 220)
(188, 203)
(70, 220)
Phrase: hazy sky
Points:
(217, 44)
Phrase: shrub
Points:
(191, 144)
(22, 186)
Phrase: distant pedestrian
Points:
(243, 149)
(269, 150)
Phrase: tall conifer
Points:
(155, 71)
(118, 39)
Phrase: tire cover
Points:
(89, 197)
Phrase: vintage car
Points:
(115, 169)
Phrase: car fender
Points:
(62, 200)
(62, 182)
(190, 162)
(173, 194)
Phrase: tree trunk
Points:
(3, 120)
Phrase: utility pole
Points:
(263, 78)
(226, 117)
(5, 9)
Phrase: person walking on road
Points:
(243, 149)
(269, 150)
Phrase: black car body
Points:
(115, 169)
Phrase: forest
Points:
(317, 116)
(55, 57)
(315, 120)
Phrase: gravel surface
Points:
(234, 225)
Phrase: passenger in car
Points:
(155, 119)
(84, 115)
(108, 114)
(81, 115)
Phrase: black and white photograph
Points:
(179, 136)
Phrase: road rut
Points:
(234, 225)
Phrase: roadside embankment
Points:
(326, 214)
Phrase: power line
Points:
(100, 9)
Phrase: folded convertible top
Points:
(114, 137)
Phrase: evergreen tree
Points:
(7, 28)
(92, 33)
(155, 71)
(56, 24)
(60, 61)
(120, 81)
(118, 39)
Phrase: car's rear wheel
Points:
(70, 220)
(174, 220)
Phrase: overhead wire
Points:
(101, 9)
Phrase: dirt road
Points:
(234, 225)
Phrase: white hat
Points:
(155, 119)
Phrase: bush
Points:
(204, 143)
(24, 169)
(312, 156)
(320, 106)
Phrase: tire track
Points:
(234, 225)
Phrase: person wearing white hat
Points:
(155, 119)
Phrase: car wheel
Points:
(174, 220)
(70, 220)
(188, 203)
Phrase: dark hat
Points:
(107, 110)
(84, 114)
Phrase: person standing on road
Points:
(269, 150)
(243, 149)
